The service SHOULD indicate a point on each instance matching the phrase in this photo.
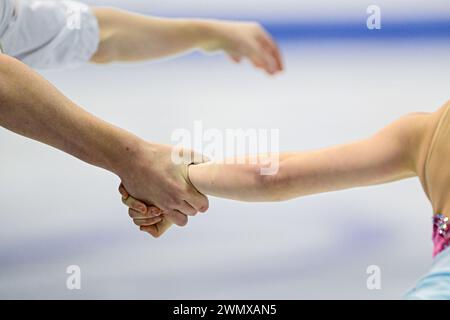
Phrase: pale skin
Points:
(126, 36)
(32, 107)
(399, 151)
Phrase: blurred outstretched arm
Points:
(126, 36)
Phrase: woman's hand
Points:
(149, 219)
(242, 40)
(126, 36)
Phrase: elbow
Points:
(102, 56)
(107, 50)
(273, 185)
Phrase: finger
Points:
(137, 205)
(123, 192)
(272, 47)
(193, 198)
(154, 211)
(277, 55)
(176, 217)
(264, 58)
(153, 230)
(197, 200)
(187, 209)
(256, 53)
(158, 229)
(257, 62)
(139, 215)
(147, 221)
(252, 52)
(235, 57)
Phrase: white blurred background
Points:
(342, 82)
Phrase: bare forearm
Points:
(32, 107)
(392, 154)
(299, 174)
(128, 36)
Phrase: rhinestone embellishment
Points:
(441, 224)
(441, 233)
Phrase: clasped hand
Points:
(162, 186)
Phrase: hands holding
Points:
(148, 219)
(158, 191)
(166, 195)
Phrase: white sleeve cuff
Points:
(51, 34)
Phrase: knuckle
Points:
(178, 203)
(155, 220)
(151, 212)
(164, 207)
(177, 188)
(169, 205)
(173, 201)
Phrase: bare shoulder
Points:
(412, 135)
(424, 126)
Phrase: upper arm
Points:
(427, 143)
(390, 154)
(401, 143)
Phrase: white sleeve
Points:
(48, 33)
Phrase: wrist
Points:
(207, 34)
(125, 153)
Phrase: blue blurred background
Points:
(342, 82)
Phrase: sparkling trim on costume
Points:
(441, 233)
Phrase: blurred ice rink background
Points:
(338, 85)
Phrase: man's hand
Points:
(243, 40)
(155, 179)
